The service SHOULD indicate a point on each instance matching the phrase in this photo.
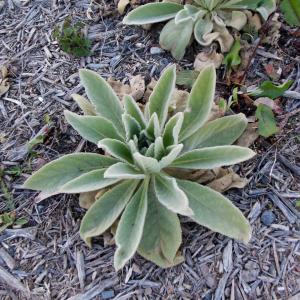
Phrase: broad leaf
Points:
(162, 233)
(214, 211)
(51, 177)
(130, 227)
(103, 213)
(152, 13)
(132, 108)
(223, 131)
(171, 156)
(199, 103)
(172, 129)
(132, 127)
(266, 121)
(161, 96)
(84, 104)
(147, 164)
(291, 11)
(123, 171)
(176, 37)
(213, 157)
(92, 128)
(103, 97)
(171, 196)
(117, 149)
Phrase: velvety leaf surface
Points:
(130, 227)
(132, 108)
(172, 129)
(199, 103)
(123, 171)
(171, 156)
(147, 164)
(103, 213)
(92, 128)
(213, 157)
(214, 211)
(52, 176)
(132, 127)
(100, 93)
(85, 105)
(162, 233)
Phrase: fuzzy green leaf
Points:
(51, 177)
(103, 213)
(162, 233)
(213, 157)
(199, 103)
(220, 132)
(123, 171)
(172, 129)
(152, 13)
(176, 37)
(153, 128)
(171, 156)
(147, 164)
(132, 127)
(132, 108)
(266, 121)
(106, 102)
(170, 195)
(130, 227)
(291, 11)
(92, 128)
(117, 149)
(85, 105)
(161, 96)
(216, 212)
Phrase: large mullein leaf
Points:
(117, 149)
(214, 211)
(161, 96)
(103, 213)
(159, 149)
(171, 156)
(213, 157)
(176, 37)
(189, 12)
(222, 131)
(152, 13)
(123, 171)
(161, 235)
(132, 127)
(199, 103)
(130, 227)
(153, 129)
(172, 129)
(54, 175)
(92, 128)
(106, 102)
(171, 196)
(132, 108)
(147, 164)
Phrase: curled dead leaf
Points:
(249, 136)
(204, 59)
(122, 5)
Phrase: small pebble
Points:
(107, 294)
(156, 50)
(267, 217)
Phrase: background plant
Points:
(207, 20)
(142, 150)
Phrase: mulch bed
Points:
(46, 259)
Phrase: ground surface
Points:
(46, 259)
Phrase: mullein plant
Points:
(142, 149)
(206, 20)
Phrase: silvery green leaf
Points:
(131, 225)
(132, 127)
(159, 149)
(176, 37)
(150, 150)
(92, 128)
(215, 212)
(103, 213)
(123, 171)
(219, 132)
(174, 151)
(213, 157)
(161, 95)
(153, 128)
(147, 164)
(106, 102)
(132, 108)
(199, 102)
(161, 235)
(202, 32)
(190, 12)
(132, 146)
(172, 129)
(91, 181)
(170, 195)
(85, 105)
(51, 177)
(116, 149)
(152, 13)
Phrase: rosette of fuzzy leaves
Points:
(207, 20)
(141, 148)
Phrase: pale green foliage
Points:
(208, 21)
(142, 149)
